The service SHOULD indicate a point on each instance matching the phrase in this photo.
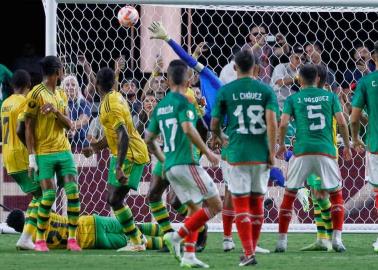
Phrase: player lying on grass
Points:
(15, 154)
(314, 150)
(93, 231)
(174, 118)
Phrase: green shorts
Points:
(314, 182)
(26, 183)
(109, 233)
(158, 169)
(132, 170)
(61, 163)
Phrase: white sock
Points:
(189, 255)
(336, 235)
(176, 237)
(282, 236)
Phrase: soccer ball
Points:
(128, 16)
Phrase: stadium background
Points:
(337, 45)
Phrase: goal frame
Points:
(50, 7)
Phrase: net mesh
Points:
(343, 39)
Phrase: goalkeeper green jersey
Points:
(166, 120)
(366, 97)
(243, 102)
(313, 111)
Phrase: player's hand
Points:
(81, 60)
(87, 151)
(200, 49)
(281, 151)
(359, 145)
(121, 177)
(347, 153)
(119, 64)
(214, 159)
(33, 166)
(158, 31)
(47, 108)
(215, 141)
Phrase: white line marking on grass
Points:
(92, 255)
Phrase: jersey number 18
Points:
(256, 123)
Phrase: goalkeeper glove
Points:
(277, 176)
(158, 31)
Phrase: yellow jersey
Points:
(50, 136)
(15, 154)
(57, 232)
(192, 99)
(114, 112)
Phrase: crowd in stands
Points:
(279, 65)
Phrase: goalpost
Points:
(90, 28)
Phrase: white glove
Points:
(158, 31)
(33, 163)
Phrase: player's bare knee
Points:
(214, 205)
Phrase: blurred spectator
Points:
(363, 64)
(228, 73)
(284, 76)
(79, 111)
(156, 83)
(257, 43)
(314, 55)
(281, 51)
(5, 78)
(129, 88)
(29, 61)
(149, 103)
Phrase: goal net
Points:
(341, 38)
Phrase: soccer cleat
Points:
(130, 247)
(281, 246)
(193, 262)
(201, 240)
(338, 246)
(303, 195)
(375, 246)
(41, 246)
(319, 245)
(262, 250)
(228, 244)
(25, 244)
(72, 245)
(173, 246)
(245, 261)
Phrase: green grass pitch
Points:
(359, 255)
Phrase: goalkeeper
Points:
(93, 232)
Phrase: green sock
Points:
(320, 228)
(183, 210)
(44, 209)
(125, 218)
(325, 206)
(151, 229)
(160, 213)
(31, 217)
(73, 207)
(155, 243)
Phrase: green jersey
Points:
(366, 95)
(166, 120)
(313, 110)
(244, 103)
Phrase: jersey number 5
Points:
(255, 114)
(318, 117)
(171, 124)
